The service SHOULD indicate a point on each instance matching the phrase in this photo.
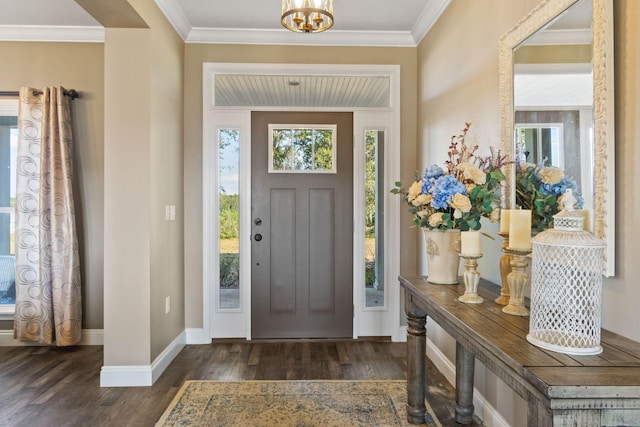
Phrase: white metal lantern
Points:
(566, 285)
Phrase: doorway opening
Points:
(227, 269)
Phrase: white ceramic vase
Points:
(443, 259)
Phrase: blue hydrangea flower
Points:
(443, 190)
(434, 171)
(560, 188)
(431, 173)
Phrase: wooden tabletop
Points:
(502, 337)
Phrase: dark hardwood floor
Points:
(42, 386)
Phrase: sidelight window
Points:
(229, 216)
(374, 217)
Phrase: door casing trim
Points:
(392, 324)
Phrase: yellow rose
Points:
(460, 201)
(424, 213)
(435, 219)
(470, 188)
(422, 199)
(551, 175)
(476, 175)
(495, 215)
(414, 190)
(525, 166)
(464, 166)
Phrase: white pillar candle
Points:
(520, 229)
(470, 243)
(504, 220)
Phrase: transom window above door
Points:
(302, 148)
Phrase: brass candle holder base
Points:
(518, 282)
(505, 269)
(471, 280)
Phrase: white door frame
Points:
(367, 321)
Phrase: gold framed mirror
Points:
(590, 63)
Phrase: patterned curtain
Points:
(48, 300)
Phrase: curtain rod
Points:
(72, 93)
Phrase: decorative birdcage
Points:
(566, 285)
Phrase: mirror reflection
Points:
(553, 97)
(556, 72)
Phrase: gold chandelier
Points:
(307, 16)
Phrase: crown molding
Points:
(176, 17)
(47, 33)
(282, 36)
(556, 68)
(427, 18)
(560, 37)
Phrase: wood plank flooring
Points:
(42, 386)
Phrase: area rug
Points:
(291, 403)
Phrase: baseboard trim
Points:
(89, 337)
(197, 336)
(165, 358)
(92, 337)
(484, 410)
(126, 376)
(142, 375)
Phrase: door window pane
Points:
(302, 149)
(374, 216)
(229, 214)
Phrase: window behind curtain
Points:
(8, 158)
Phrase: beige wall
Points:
(197, 54)
(167, 238)
(78, 66)
(127, 197)
(562, 54)
(621, 294)
(143, 174)
(458, 82)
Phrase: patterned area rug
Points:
(291, 403)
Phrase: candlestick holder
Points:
(518, 282)
(505, 269)
(471, 280)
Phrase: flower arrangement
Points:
(458, 195)
(540, 188)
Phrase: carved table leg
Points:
(464, 385)
(416, 354)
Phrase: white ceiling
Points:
(383, 23)
(357, 22)
(248, 90)
(573, 26)
(539, 86)
(553, 90)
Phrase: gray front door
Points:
(302, 237)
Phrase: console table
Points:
(560, 390)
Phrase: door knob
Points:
(257, 221)
(258, 237)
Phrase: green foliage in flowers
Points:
(458, 195)
(540, 189)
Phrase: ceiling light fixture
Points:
(307, 16)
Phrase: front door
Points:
(302, 225)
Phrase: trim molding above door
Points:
(388, 320)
